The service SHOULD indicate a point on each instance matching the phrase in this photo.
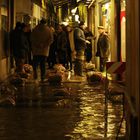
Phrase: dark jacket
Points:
(41, 39)
(103, 46)
(61, 41)
(79, 39)
(19, 44)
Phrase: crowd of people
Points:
(61, 45)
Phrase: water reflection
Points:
(97, 120)
(91, 124)
(42, 114)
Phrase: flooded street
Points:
(72, 111)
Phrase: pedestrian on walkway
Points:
(103, 50)
(41, 39)
(19, 46)
(69, 47)
(80, 45)
(53, 50)
(27, 32)
(61, 45)
(88, 51)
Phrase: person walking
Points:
(80, 45)
(41, 38)
(102, 47)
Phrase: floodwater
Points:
(72, 111)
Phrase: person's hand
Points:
(88, 42)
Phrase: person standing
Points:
(102, 47)
(68, 30)
(80, 45)
(41, 38)
(88, 51)
(53, 49)
(19, 46)
(27, 32)
(61, 45)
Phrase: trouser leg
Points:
(35, 65)
(19, 64)
(102, 64)
(78, 67)
(43, 67)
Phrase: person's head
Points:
(68, 28)
(18, 25)
(43, 21)
(52, 29)
(82, 24)
(101, 29)
(24, 27)
(28, 27)
(59, 28)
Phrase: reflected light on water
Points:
(92, 124)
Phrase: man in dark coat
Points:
(80, 46)
(102, 47)
(88, 51)
(61, 45)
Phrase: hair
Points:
(23, 25)
(18, 24)
(43, 21)
(81, 23)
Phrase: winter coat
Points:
(61, 47)
(72, 45)
(103, 46)
(19, 43)
(41, 38)
(79, 39)
(71, 39)
(61, 41)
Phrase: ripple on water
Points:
(80, 116)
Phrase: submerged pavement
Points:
(74, 110)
